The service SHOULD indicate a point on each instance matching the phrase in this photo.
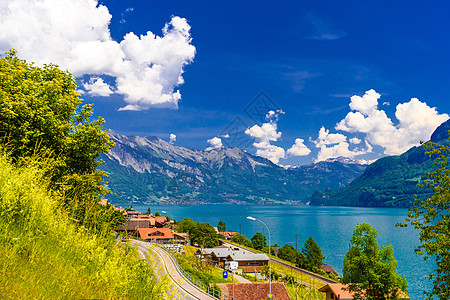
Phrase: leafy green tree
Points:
(40, 117)
(186, 225)
(432, 218)
(370, 271)
(259, 241)
(204, 235)
(149, 211)
(301, 260)
(272, 251)
(157, 214)
(241, 239)
(221, 227)
(313, 255)
(287, 252)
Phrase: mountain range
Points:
(390, 181)
(151, 170)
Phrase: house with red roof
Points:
(254, 291)
(158, 235)
(338, 291)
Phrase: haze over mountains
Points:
(151, 170)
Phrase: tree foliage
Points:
(258, 241)
(241, 239)
(221, 227)
(186, 225)
(287, 252)
(370, 271)
(313, 255)
(204, 235)
(40, 117)
(432, 218)
(149, 211)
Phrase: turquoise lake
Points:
(330, 227)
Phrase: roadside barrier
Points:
(194, 281)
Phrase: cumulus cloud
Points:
(214, 143)
(355, 141)
(333, 145)
(298, 149)
(74, 34)
(264, 135)
(416, 121)
(172, 138)
(97, 87)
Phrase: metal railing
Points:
(194, 281)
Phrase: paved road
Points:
(164, 261)
(317, 277)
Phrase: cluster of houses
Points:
(155, 229)
(151, 228)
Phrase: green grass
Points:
(45, 256)
(299, 292)
(285, 270)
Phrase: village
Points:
(248, 268)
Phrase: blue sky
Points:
(304, 58)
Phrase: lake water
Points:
(330, 227)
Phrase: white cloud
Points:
(355, 141)
(214, 143)
(416, 121)
(265, 134)
(97, 87)
(298, 149)
(172, 138)
(333, 145)
(271, 152)
(74, 34)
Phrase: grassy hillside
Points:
(45, 256)
(389, 182)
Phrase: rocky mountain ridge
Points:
(149, 169)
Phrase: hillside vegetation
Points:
(390, 181)
(45, 256)
(56, 240)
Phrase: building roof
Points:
(245, 255)
(155, 233)
(328, 269)
(145, 216)
(181, 235)
(339, 290)
(233, 254)
(228, 234)
(254, 291)
(218, 252)
(132, 213)
(160, 219)
(134, 224)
